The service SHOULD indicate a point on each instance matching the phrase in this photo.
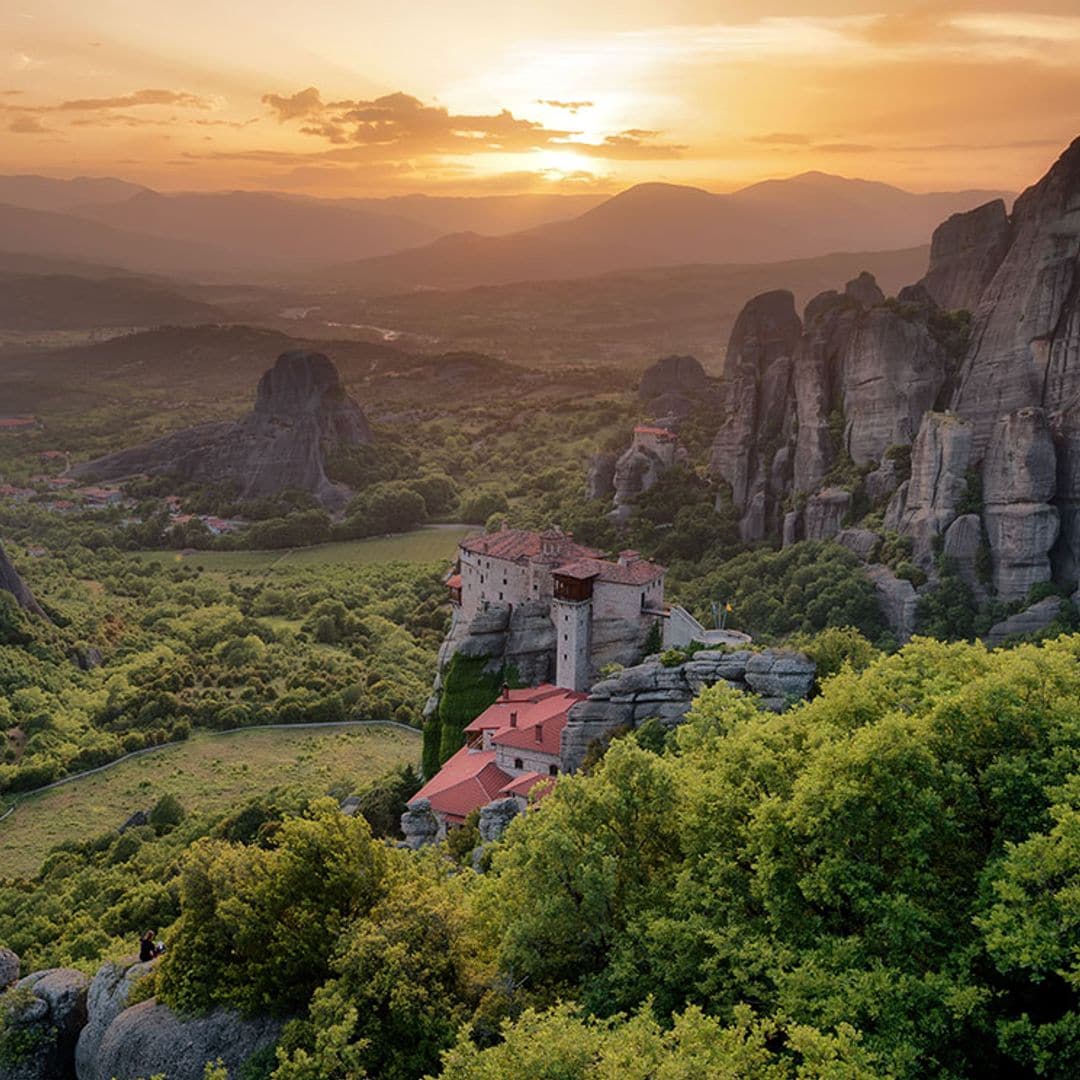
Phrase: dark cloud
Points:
(397, 125)
(569, 106)
(179, 98)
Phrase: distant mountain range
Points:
(667, 225)
(417, 241)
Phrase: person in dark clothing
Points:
(147, 949)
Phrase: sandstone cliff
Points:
(301, 413)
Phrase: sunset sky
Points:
(356, 97)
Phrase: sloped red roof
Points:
(453, 581)
(469, 780)
(659, 432)
(525, 784)
(635, 573)
(515, 544)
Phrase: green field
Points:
(208, 773)
(430, 544)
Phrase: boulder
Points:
(882, 482)
(898, 600)
(51, 1019)
(135, 821)
(420, 825)
(302, 413)
(496, 817)
(9, 967)
(672, 374)
(106, 999)
(149, 1038)
(1031, 620)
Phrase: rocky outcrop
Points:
(495, 819)
(420, 825)
(9, 968)
(898, 600)
(149, 1038)
(651, 690)
(1032, 620)
(862, 543)
(825, 512)
(961, 548)
(521, 637)
(11, 582)
(672, 385)
(51, 1018)
(637, 470)
(301, 413)
(106, 999)
(600, 477)
(965, 252)
(1019, 480)
(926, 504)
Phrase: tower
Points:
(571, 612)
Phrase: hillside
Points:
(67, 302)
(666, 224)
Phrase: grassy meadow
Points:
(208, 773)
(430, 544)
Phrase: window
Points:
(500, 596)
(518, 763)
(566, 637)
(553, 770)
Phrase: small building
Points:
(13, 425)
(511, 749)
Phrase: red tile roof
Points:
(525, 784)
(518, 544)
(659, 432)
(453, 581)
(635, 573)
(470, 779)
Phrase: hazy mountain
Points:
(47, 193)
(491, 215)
(258, 226)
(667, 224)
(65, 302)
(46, 233)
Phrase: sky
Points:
(355, 97)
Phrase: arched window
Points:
(553, 770)
(518, 764)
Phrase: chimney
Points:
(506, 691)
(513, 719)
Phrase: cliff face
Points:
(816, 412)
(12, 583)
(301, 413)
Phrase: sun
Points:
(561, 163)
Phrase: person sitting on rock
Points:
(148, 948)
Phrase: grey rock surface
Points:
(54, 1017)
(824, 515)
(965, 252)
(861, 542)
(11, 582)
(898, 599)
(1029, 621)
(150, 1038)
(9, 967)
(963, 542)
(106, 999)
(495, 819)
(600, 478)
(421, 826)
(301, 413)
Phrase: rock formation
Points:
(495, 819)
(50, 1020)
(106, 999)
(600, 477)
(1031, 620)
(9, 967)
(12, 583)
(301, 413)
(990, 407)
(670, 387)
(420, 826)
(650, 689)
